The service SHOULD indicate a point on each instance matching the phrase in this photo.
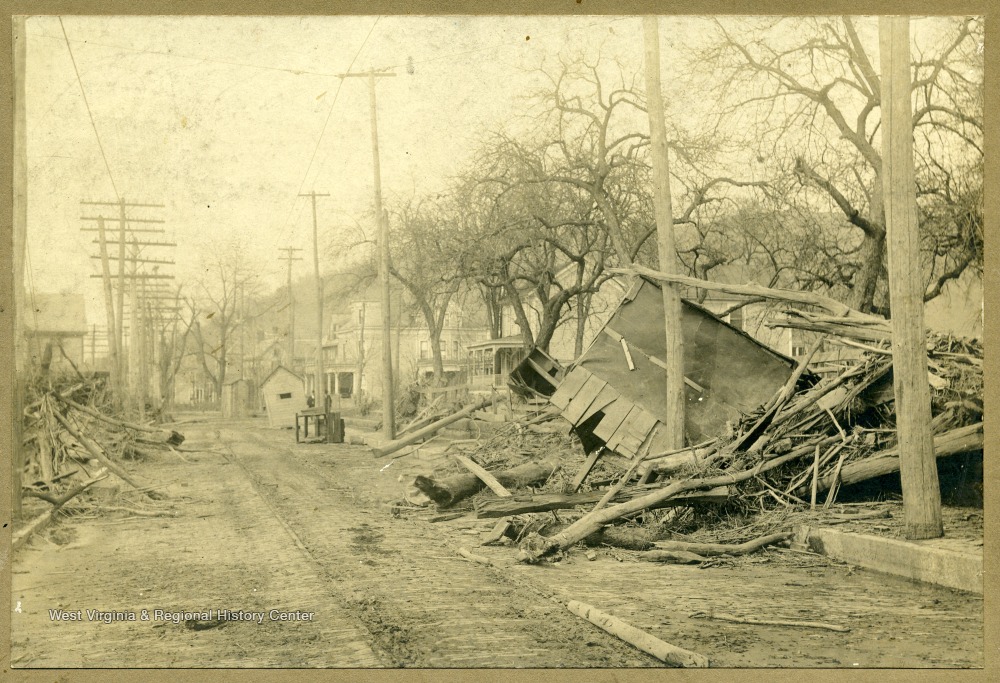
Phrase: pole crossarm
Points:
(124, 203)
(140, 243)
(115, 218)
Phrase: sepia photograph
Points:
(497, 342)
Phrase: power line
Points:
(90, 114)
(312, 158)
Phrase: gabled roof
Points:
(280, 368)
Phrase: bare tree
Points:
(423, 242)
(227, 275)
(811, 94)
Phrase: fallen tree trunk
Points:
(708, 549)
(666, 463)
(96, 452)
(961, 440)
(393, 446)
(534, 547)
(447, 492)
(665, 652)
(629, 538)
(484, 476)
(833, 306)
(489, 509)
(43, 520)
(167, 436)
(770, 622)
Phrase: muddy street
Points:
(311, 538)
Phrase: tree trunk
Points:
(447, 492)
(872, 255)
(545, 502)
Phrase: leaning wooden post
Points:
(674, 353)
(918, 466)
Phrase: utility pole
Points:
(320, 378)
(388, 398)
(289, 256)
(918, 465)
(116, 313)
(665, 236)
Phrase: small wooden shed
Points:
(238, 397)
(284, 395)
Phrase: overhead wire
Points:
(319, 140)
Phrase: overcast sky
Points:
(224, 120)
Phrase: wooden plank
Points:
(571, 385)
(613, 416)
(607, 396)
(542, 372)
(483, 475)
(615, 441)
(588, 392)
(639, 429)
(585, 470)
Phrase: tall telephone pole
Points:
(665, 236)
(388, 398)
(320, 379)
(290, 256)
(917, 463)
(115, 310)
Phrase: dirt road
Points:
(305, 537)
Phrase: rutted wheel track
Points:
(422, 604)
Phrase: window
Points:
(454, 349)
(285, 395)
(798, 350)
(424, 349)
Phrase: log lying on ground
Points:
(448, 491)
(57, 502)
(490, 509)
(692, 456)
(534, 547)
(961, 440)
(709, 549)
(770, 622)
(483, 475)
(665, 652)
(431, 429)
(629, 538)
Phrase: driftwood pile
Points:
(816, 435)
(74, 437)
(808, 441)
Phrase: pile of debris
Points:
(795, 450)
(74, 437)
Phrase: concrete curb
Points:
(923, 561)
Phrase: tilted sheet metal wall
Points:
(737, 373)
